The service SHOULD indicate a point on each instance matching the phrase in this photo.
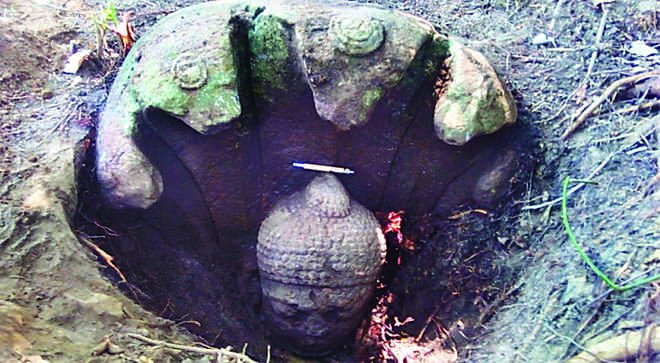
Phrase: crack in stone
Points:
(394, 158)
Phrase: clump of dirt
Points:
(22, 74)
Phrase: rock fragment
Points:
(474, 102)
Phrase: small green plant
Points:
(104, 20)
(109, 13)
(108, 19)
(583, 254)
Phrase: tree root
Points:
(221, 354)
(623, 347)
(609, 91)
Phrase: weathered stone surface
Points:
(351, 59)
(126, 177)
(319, 256)
(270, 58)
(188, 72)
(179, 69)
(494, 184)
(353, 56)
(356, 34)
(475, 102)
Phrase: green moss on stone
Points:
(269, 52)
(369, 98)
(155, 86)
(438, 52)
(129, 104)
(215, 102)
(440, 47)
(456, 93)
(491, 113)
(482, 115)
(129, 113)
(126, 70)
(218, 96)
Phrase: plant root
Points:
(221, 354)
(624, 347)
(609, 91)
(106, 257)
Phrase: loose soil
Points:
(502, 285)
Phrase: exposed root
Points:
(105, 256)
(634, 108)
(106, 346)
(224, 355)
(582, 90)
(609, 91)
(623, 347)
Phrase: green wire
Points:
(580, 251)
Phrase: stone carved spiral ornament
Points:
(190, 71)
(194, 153)
(357, 34)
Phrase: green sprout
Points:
(110, 13)
(583, 254)
(104, 20)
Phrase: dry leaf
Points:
(76, 60)
(640, 48)
(541, 39)
(126, 32)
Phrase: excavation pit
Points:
(178, 204)
(61, 302)
(190, 258)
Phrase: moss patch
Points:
(491, 113)
(155, 87)
(438, 52)
(369, 98)
(269, 52)
(130, 104)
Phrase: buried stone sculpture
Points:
(213, 104)
(319, 256)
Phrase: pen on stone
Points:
(323, 168)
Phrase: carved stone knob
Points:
(357, 34)
(189, 71)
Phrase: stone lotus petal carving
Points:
(475, 102)
(358, 57)
(351, 58)
(175, 68)
(319, 255)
